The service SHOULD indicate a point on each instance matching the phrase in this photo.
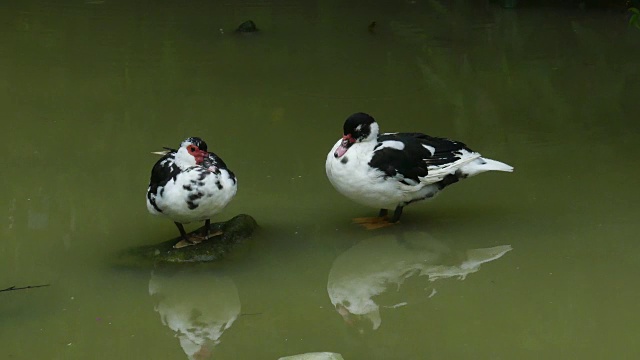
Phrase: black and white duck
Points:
(190, 184)
(392, 170)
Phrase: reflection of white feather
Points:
(199, 307)
(314, 356)
(475, 258)
(368, 268)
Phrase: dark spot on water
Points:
(372, 27)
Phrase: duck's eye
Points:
(192, 148)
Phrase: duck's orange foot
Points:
(373, 223)
(195, 239)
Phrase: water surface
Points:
(540, 263)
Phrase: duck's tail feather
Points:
(481, 165)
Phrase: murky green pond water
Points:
(541, 263)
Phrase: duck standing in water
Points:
(390, 171)
(190, 184)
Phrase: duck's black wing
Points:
(164, 170)
(410, 156)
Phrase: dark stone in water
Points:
(247, 27)
(216, 248)
(372, 27)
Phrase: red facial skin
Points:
(198, 154)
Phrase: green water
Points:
(541, 263)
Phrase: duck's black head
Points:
(196, 141)
(358, 127)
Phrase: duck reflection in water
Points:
(198, 306)
(367, 270)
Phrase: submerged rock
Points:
(234, 232)
(247, 27)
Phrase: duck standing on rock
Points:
(190, 184)
(393, 170)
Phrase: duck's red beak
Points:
(347, 141)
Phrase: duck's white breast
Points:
(191, 197)
(352, 176)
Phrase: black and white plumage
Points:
(392, 170)
(190, 184)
